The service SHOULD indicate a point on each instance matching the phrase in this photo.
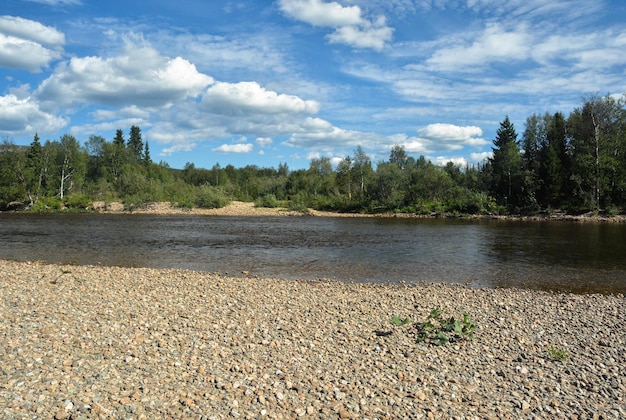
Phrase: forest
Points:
(575, 164)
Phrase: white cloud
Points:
(453, 136)
(28, 45)
(457, 161)
(319, 13)
(350, 26)
(263, 141)
(495, 44)
(126, 112)
(234, 148)
(320, 135)
(22, 116)
(365, 36)
(229, 58)
(140, 76)
(32, 31)
(480, 157)
(249, 97)
(177, 148)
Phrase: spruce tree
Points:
(507, 180)
(135, 144)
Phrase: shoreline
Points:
(240, 208)
(111, 342)
(248, 209)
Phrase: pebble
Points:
(140, 343)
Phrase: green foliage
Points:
(398, 322)
(267, 201)
(208, 197)
(298, 203)
(78, 202)
(558, 354)
(47, 204)
(438, 330)
(572, 163)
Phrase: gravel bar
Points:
(82, 342)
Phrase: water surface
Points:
(559, 256)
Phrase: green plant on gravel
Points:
(558, 354)
(398, 322)
(438, 330)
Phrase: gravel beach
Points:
(79, 342)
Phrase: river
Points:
(558, 256)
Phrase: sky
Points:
(286, 81)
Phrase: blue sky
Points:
(265, 82)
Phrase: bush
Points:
(45, 204)
(438, 330)
(78, 202)
(298, 203)
(268, 201)
(208, 197)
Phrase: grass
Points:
(558, 354)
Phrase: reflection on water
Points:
(581, 258)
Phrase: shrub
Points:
(79, 202)
(208, 197)
(438, 330)
(268, 201)
(47, 204)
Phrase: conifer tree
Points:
(507, 177)
(135, 144)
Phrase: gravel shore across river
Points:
(80, 342)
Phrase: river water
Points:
(558, 256)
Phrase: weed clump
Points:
(438, 330)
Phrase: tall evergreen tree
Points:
(35, 172)
(146, 159)
(507, 176)
(553, 163)
(118, 140)
(135, 143)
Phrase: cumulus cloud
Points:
(351, 28)
(29, 45)
(234, 148)
(453, 136)
(140, 76)
(319, 13)
(22, 116)
(250, 97)
(448, 132)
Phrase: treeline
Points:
(575, 163)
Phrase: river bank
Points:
(240, 208)
(103, 342)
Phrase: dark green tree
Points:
(35, 170)
(135, 144)
(507, 174)
(118, 140)
(146, 159)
